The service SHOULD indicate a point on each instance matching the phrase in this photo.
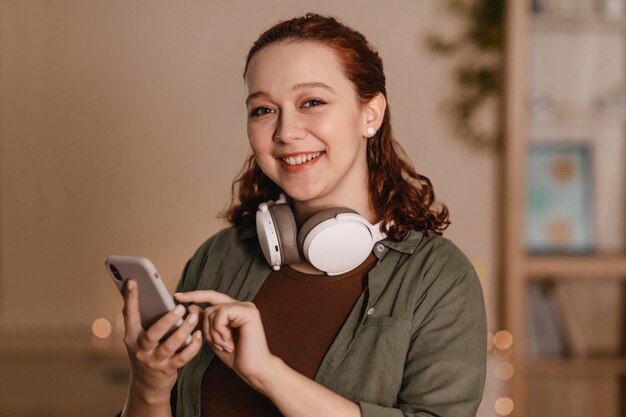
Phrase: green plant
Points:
(478, 76)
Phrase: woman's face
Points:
(306, 125)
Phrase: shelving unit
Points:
(539, 384)
(577, 22)
(587, 367)
(565, 267)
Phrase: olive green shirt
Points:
(414, 344)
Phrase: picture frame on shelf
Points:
(559, 213)
(604, 136)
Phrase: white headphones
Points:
(335, 240)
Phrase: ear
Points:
(373, 113)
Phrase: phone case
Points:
(154, 299)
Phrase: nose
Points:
(290, 127)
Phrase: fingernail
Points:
(218, 347)
(188, 340)
(228, 349)
(179, 310)
(197, 334)
(130, 284)
(176, 294)
(193, 318)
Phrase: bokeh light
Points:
(504, 406)
(503, 340)
(505, 370)
(101, 328)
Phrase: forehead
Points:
(288, 63)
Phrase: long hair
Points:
(401, 198)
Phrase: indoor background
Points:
(122, 126)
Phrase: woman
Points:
(401, 333)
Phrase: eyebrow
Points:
(314, 84)
(299, 86)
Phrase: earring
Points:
(370, 131)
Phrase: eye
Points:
(314, 102)
(260, 111)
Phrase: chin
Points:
(301, 195)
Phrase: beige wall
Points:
(122, 126)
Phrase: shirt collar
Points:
(246, 232)
(406, 245)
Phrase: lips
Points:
(299, 159)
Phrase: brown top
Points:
(301, 314)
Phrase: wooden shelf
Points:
(567, 114)
(607, 266)
(577, 22)
(533, 388)
(567, 367)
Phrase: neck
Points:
(303, 210)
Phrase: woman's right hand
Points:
(154, 365)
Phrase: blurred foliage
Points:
(479, 74)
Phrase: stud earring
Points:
(370, 131)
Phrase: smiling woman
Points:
(304, 117)
(400, 331)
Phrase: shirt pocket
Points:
(373, 367)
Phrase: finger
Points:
(168, 347)
(221, 330)
(150, 338)
(189, 352)
(204, 296)
(206, 327)
(217, 338)
(219, 351)
(213, 338)
(195, 309)
(132, 321)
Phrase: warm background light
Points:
(101, 328)
(503, 340)
(504, 406)
(505, 370)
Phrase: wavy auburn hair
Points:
(402, 198)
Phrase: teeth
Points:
(300, 159)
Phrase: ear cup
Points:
(287, 231)
(318, 218)
(268, 236)
(336, 240)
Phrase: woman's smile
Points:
(300, 161)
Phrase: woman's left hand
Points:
(234, 331)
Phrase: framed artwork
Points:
(560, 198)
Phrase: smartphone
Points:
(154, 299)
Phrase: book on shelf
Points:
(546, 335)
(575, 318)
(592, 313)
